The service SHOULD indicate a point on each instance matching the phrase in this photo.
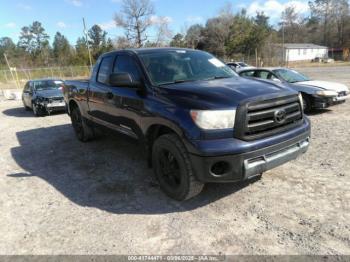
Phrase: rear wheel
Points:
(173, 168)
(82, 130)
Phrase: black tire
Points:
(82, 130)
(173, 168)
(307, 106)
(36, 110)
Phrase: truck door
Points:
(102, 105)
(106, 102)
(131, 102)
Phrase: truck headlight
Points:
(214, 119)
(326, 93)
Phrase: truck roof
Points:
(150, 50)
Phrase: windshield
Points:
(177, 66)
(47, 84)
(243, 64)
(291, 76)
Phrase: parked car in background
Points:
(198, 121)
(316, 94)
(322, 60)
(43, 96)
(237, 66)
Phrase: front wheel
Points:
(27, 108)
(173, 168)
(36, 110)
(307, 104)
(82, 130)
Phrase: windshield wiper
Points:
(177, 82)
(218, 77)
(193, 80)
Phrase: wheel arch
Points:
(153, 132)
(71, 104)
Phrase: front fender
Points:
(310, 90)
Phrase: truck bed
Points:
(81, 83)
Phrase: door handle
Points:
(109, 95)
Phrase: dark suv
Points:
(199, 121)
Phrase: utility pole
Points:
(8, 65)
(87, 43)
(283, 53)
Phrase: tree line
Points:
(227, 35)
(34, 50)
(230, 35)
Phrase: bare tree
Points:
(323, 9)
(194, 35)
(122, 42)
(164, 33)
(293, 24)
(341, 16)
(135, 18)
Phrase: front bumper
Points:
(324, 102)
(245, 165)
(53, 107)
(341, 98)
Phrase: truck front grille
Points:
(268, 117)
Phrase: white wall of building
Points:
(300, 54)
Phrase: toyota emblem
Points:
(280, 116)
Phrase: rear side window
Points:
(104, 71)
(127, 64)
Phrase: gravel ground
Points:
(59, 196)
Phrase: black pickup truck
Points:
(198, 120)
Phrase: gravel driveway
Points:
(60, 196)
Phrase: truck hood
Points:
(49, 93)
(326, 85)
(222, 93)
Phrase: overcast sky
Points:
(66, 15)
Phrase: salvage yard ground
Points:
(59, 196)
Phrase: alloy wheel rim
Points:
(169, 167)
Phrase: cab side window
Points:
(273, 77)
(263, 74)
(127, 64)
(104, 70)
(248, 73)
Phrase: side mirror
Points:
(123, 80)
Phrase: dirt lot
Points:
(59, 196)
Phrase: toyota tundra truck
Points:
(197, 120)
